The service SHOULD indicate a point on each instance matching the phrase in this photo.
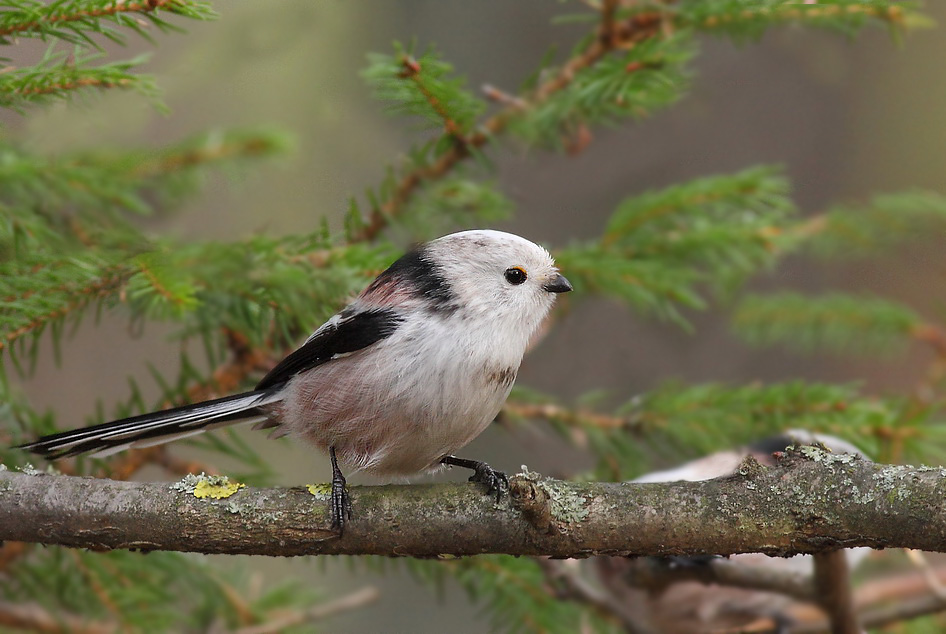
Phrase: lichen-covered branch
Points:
(811, 501)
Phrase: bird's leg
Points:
(482, 473)
(341, 504)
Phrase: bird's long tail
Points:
(156, 428)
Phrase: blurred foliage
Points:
(661, 249)
(72, 246)
(845, 323)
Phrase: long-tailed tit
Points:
(407, 374)
(690, 606)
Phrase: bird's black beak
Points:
(558, 284)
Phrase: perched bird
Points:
(411, 371)
(691, 606)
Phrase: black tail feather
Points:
(167, 424)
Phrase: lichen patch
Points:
(217, 487)
(322, 490)
(220, 491)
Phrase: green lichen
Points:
(203, 486)
(565, 504)
(824, 455)
(252, 511)
(321, 491)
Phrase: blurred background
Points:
(848, 119)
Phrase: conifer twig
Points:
(108, 10)
(352, 601)
(625, 33)
(98, 289)
(83, 82)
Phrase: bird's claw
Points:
(494, 480)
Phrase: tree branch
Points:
(833, 587)
(657, 574)
(812, 501)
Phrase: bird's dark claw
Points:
(495, 481)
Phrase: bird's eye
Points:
(515, 276)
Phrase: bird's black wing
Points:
(349, 334)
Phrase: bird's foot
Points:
(495, 481)
(341, 503)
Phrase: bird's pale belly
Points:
(398, 430)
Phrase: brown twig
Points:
(115, 8)
(98, 289)
(833, 591)
(73, 85)
(347, 603)
(893, 15)
(198, 156)
(932, 335)
(879, 602)
(623, 34)
(34, 618)
(566, 578)
(95, 584)
(656, 575)
(576, 417)
(412, 71)
(11, 551)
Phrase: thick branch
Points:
(811, 501)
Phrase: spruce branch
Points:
(737, 19)
(74, 20)
(630, 34)
(841, 322)
(60, 76)
(877, 226)
(31, 313)
(626, 33)
(812, 501)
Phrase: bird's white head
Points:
(498, 279)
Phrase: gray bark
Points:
(811, 501)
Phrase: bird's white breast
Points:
(400, 405)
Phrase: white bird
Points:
(411, 371)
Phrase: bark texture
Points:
(811, 501)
